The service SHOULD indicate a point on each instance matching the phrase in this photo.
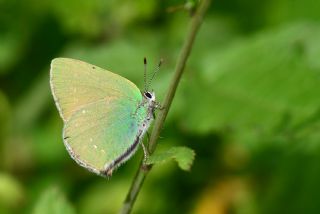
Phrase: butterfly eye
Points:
(148, 95)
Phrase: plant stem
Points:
(184, 54)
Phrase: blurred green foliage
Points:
(53, 202)
(248, 105)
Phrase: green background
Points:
(248, 104)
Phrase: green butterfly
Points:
(105, 115)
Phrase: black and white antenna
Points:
(146, 86)
(145, 73)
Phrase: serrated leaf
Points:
(52, 201)
(184, 157)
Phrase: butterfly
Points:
(105, 115)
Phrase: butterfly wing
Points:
(75, 83)
(99, 111)
(101, 138)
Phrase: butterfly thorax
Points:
(145, 111)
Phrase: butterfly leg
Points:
(145, 152)
(158, 106)
(148, 136)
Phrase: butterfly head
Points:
(150, 96)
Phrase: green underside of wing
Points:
(99, 109)
(75, 84)
(101, 132)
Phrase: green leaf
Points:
(184, 156)
(52, 201)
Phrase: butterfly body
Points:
(105, 115)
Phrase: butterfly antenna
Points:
(145, 73)
(154, 73)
